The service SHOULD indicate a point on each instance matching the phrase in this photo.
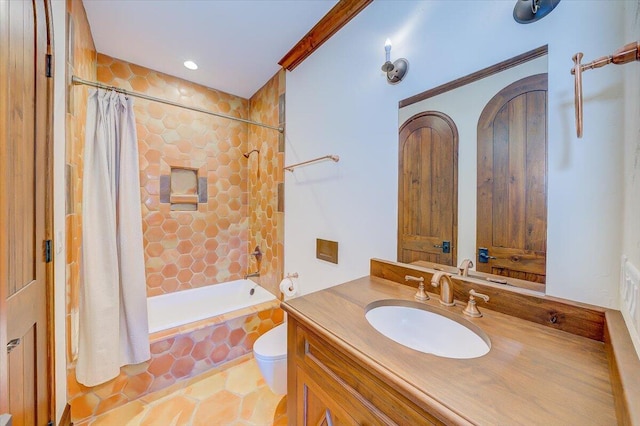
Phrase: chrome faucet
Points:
(254, 274)
(464, 267)
(443, 280)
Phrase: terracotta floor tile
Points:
(207, 387)
(111, 402)
(234, 394)
(127, 415)
(220, 409)
(246, 379)
(174, 410)
(84, 406)
(258, 406)
(152, 397)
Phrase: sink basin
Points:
(428, 329)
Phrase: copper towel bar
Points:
(326, 157)
(627, 53)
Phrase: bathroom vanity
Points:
(343, 371)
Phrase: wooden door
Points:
(24, 208)
(428, 189)
(512, 181)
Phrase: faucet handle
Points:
(471, 309)
(420, 294)
(412, 278)
(257, 253)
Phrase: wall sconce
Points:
(528, 11)
(395, 70)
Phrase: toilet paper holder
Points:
(288, 290)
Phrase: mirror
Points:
(472, 173)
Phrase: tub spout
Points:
(254, 274)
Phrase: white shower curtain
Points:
(113, 326)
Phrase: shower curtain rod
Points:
(77, 81)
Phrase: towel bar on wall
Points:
(627, 53)
(304, 163)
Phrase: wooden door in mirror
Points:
(428, 189)
(512, 182)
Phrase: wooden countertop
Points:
(532, 375)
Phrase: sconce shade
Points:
(400, 68)
(528, 11)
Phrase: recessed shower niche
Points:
(183, 188)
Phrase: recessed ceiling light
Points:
(191, 65)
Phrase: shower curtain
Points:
(113, 325)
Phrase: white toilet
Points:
(270, 351)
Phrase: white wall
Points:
(59, 101)
(631, 224)
(339, 103)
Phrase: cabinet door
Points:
(318, 408)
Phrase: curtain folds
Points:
(113, 326)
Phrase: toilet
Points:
(270, 352)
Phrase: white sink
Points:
(428, 329)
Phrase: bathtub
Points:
(188, 306)
(191, 332)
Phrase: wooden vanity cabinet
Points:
(324, 380)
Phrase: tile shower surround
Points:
(266, 182)
(188, 249)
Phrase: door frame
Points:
(44, 128)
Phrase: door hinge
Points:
(47, 67)
(13, 344)
(47, 251)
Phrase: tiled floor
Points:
(235, 394)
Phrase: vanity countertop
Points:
(532, 375)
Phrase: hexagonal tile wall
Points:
(265, 173)
(170, 137)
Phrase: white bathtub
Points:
(183, 307)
